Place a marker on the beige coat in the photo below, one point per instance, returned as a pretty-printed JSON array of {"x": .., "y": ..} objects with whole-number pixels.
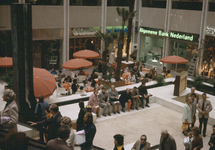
[
  {"x": 207, "y": 106},
  {"x": 169, "y": 143},
  {"x": 136, "y": 146},
  {"x": 189, "y": 95},
  {"x": 11, "y": 111}
]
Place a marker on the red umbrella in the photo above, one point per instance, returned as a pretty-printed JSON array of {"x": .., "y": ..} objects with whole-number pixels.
[
  {"x": 73, "y": 64},
  {"x": 174, "y": 60},
  {"x": 44, "y": 83},
  {"x": 6, "y": 62},
  {"x": 86, "y": 54}
]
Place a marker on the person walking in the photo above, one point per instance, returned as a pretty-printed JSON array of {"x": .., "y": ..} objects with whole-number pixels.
[
  {"x": 118, "y": 142},
  {"x": 204, "y": 107},
  {"x": 167, "y": 142},
  {"x": 197, "y": 142},
  {"x": 141, "y": 144},
  {"x": 80, "y": 120}
]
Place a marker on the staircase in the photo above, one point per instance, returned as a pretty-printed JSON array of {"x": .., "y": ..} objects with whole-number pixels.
[{"x": 192, "y": 66}]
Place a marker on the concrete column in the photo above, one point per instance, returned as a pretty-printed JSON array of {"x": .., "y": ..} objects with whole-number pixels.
[
  {"x": 202, "y": 37},
  {"x": 103, "y": 23},
  {"x": 134, "y": 38},
  {"x": 139, "y": 3},
  {"x": 66, "y": 31}
]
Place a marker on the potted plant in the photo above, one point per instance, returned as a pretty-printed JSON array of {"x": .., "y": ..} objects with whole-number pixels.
[
  {"x": 160, "y": 80},
  {"x": 198, "y": 81},
  {"x": 8, "y": 79}
]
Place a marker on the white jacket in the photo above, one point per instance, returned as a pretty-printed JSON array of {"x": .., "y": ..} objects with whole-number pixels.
[{"x": 187, "y": 113}]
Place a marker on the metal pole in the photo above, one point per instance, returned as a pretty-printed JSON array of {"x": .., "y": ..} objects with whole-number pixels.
[
  {"x": 66, "y": 31},
  {"x": 138, "y": 34},
  {"x": 103, "y": 23}
]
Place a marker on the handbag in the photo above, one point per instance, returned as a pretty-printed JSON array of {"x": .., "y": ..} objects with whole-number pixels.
[{"x": 184, "y": 126}]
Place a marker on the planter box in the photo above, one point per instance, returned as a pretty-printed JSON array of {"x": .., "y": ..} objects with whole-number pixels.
[{"x": 116, "y": 84}]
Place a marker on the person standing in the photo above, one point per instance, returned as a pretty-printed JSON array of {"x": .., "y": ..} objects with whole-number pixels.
[
  {"x": 94, "y": 103},
  {"x": 118, "y": 142},
  {"x": 125, "y": 97},
  {"x": 90, "y": 131},
  {"x": 193, "y": 92},
  {"x": 104, "y": 101},
  {"x": 112, "y": 57},
  {"x": 53, "y": 122},
  {"x": 187, "y": 115},
  {"x": 74, "y": 86},
  {"x": 136, "y": 102},
  {"x": 10, "y": 110},
  {"x": 204, "y": 107},
  {"x": 80, "y": 120},
  {"x": 134, "y": 53},
  {"x": 167, "y": 142},
  {"x": 193, "y": 104},
  {"x": 197, "y": 142},
  {"x": 113, "y": 95},
  {"x": 141, "y": 144},
  {"x": 211, "y": 143},
  {"x": 60, "y": 142},
  {"x": 144, "y": 93}
]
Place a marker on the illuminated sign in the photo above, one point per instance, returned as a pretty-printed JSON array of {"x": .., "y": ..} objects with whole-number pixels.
[{"x": 168, "y": 34}]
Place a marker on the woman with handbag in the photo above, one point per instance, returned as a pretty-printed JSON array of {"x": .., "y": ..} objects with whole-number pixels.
[{"x": 187, "y": 116}]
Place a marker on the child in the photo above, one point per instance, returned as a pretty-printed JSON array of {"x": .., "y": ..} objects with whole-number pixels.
[{"x": 188, "y": 141}]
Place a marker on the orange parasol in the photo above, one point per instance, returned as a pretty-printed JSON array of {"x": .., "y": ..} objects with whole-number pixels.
[
  {"x": 44, "y": 83},
  {"x": 174, "y": 60},
  {"x": 73, "y": 64},
  {"x": 86, "y": 54},
  {"x": 6, "y": 62}
]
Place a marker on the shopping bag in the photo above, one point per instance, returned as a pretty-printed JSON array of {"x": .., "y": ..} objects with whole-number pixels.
[{"x": 185, "y": 127}]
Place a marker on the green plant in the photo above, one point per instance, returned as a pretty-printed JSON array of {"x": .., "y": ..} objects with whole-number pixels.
[
  {"x": 107, "y": 87},
  {"x": 198, "y": 81},
  {"x": 109, "y": 75},
  {"x": 8, "y": 79},
  {"x": 160, "y": 79}
]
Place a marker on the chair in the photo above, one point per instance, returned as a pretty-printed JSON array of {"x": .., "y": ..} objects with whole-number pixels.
[{"x": 81, "y": 78}]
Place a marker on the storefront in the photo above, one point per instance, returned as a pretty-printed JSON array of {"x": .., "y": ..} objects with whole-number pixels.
[{"x": 151, "y": 46}]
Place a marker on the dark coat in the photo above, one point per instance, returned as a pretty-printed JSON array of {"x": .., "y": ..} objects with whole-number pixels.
[
  {"x": 125, "y": 97},
  {"x": 142, "y": 90},
  {"x": 90, "y": 131},
  {"x": 56, "y": 144},
  {"x": 80, "y": 120},
  {"x": 54, "y": 124}
]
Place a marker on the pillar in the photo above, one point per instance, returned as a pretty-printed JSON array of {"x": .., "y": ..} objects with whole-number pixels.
[
  {"x": 21, "y": 29},
  {"x": 103, "y": 23}
]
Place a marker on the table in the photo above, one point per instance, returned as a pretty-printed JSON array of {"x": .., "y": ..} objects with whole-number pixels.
[
  {"x": 125, "y": 75},
  {"x": 89, "y": 89},
  {"x": 127, "y": 83},
  {"x": 67, "y": 86},
  {"x": 86, "y": 73},
  {"x": 126, "y": 64},
  {"x": 146, "y": 69}
]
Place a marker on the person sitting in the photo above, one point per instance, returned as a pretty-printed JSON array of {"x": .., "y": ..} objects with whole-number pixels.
[
  {"x": 137, "y": 76},
  {"x": 104, "y": 101},
  {"x": 142, "y": 65},
  {"x": 168, "y": 75},
  {"x": 100, "y": 66},
  {"x": 81, "y": 72},
  {"x": 60, "y": 142},
  {"x": 48, "y": 115},
  {"x": 93, "y": 83},
  {"x": 149, "y": 76},
  {"x": 53, "y": 71},
  {"x": 144, "y": 93},
  {"x": 85, "y": 83},
  {"x": 113, "y": 95},
  {"x": 59, "y": 73},
  {"x": 60, "y": 78},
  {"x": 118, "y": 142},
  {"x": 128, "y": 69},
  {"x": 135, "y": 98},
  {"x": 142, "y": 144},
  {"x": 125, "y": 97},
  {"x": 99, "y": 85},
  {"x": 66, "y": 121},
  {"x": 10, "y": 110},
  {"x": 81, "y": 91},
  {"x": 94, "y": 103},
  {"x": 131, "y": 77},
  {"x": 95, "y": 69},
  {"x": 164, "y": 71},
  {"x": 80, "y": 120},
  {"x": 68, "y": 79},
  {"x": 74, "y": 86},
  {"x": 135, "y": 68}
]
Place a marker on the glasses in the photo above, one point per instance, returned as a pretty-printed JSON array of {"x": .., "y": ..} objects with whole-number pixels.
[{"x": 143, "y": 139}]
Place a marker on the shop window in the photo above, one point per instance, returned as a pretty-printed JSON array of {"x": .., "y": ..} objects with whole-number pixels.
[
  {"x": 187, "y": 5},
  {"x": 85, "y": 2},
  {"x": 8, "y": 2},
  {"x": 71, "y": 51},
  {"x": 151, "y": 50},
  {"x": 117, "y": 2},
  {"x": 211, "y": 6},
  {"x": 154, "y": 3}
]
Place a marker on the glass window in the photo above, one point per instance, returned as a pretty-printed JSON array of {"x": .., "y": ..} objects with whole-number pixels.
[
  {"x": 151, "y": 50},
  {"x": 117, "y": 2},
  {"x": 211, "y": 6},
  {"x": 85, "y": 2},
  {"x": 154, "y": 3},
  {"x": 187, "y": 5}
]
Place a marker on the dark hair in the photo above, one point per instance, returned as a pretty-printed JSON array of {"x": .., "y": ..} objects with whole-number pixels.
[
  {"x": 75, "y": 80},
  {"x": 143, "y": 61},
  {"x": 132, "y": 72},
  {"x": 63, "y": 131},
  {"x": 103, "y": 88},
  {"x": 81, "y": 88},
  {"x": 54, "y": 108},
  {"x": 204, "y": 94},
  {"x": 15, "y": 141},
  {"x": 135, "y": 87},
  {"x": 213, "y": 125},
  {"x": 41, "y": 98},
  {"x": 196, "y": 129},
  {"x": 168, "y": 71},
  {"x": 81, "y": 104},
  {"x": 84, "y": 81},
  {"x": 193, "y": 94},
  {"x": 144, "y": 136},
  {"x": 143, "y": 82},
  {"x": 164, "y": 67},
  {"x": 89, "y": 116},
  {"x": 60, "y": 71},
  {"x": 119, "y": 138},
  {"x": 47, "y": 109},
  {"x": 135, "y": 46}
]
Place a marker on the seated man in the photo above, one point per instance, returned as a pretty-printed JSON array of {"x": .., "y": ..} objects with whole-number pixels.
[
  {"x": 135, "y": 98},
  {"x": 53, "y": 71},
  {"x": 132, "y": 77},
  {"x": 129, "y": 68},
  {"x": 149, "y": 76},
  {"x": 104, "y": 101},
  {"x": 125, "y": 97},
  {"x": 95, "y": 69},
  {"x": 144, "y": 93},
  {"x": 74, "y": 86},
  {"x": 113, "y": 95},
  {"x": 141, "y": 144},
  {"x": 163, "y": 71},
  {"x": 168, "y": 75}
]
